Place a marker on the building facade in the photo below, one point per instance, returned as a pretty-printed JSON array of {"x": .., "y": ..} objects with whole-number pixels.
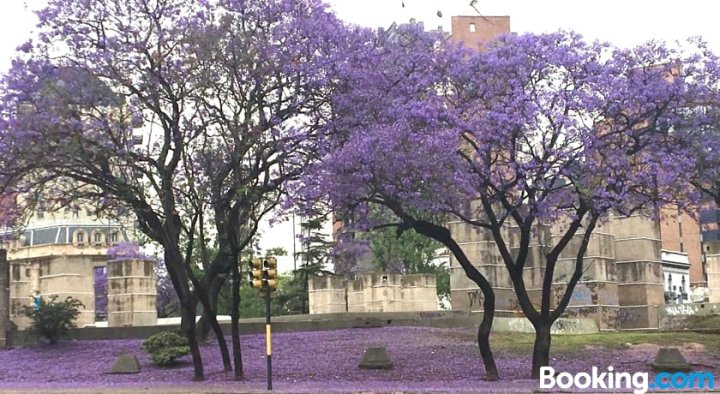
[{"x": 64, "y": 253}]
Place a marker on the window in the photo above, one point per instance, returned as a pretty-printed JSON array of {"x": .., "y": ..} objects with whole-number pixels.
[
  {"x": 15, "y": 272},
  {"x": 40, "y": 208},
  {"x": 80, "y": 238},
  {"x": 97, "y": 237},
  {"x": 472, "y": 28},
  {"x": 114, "y": 237}
]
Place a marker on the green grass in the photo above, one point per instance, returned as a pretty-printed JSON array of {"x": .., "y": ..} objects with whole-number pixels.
[
  {"x": 522, "y": 343},
  {"x": 705, "y": 322}
]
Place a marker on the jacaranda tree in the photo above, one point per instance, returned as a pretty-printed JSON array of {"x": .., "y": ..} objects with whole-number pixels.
[
  {"x": 700, "y": 134},
  {"x": 557, "y": 133},
  {"x": 538, "y": 131},
  {"x": 180, "y": 113},
  {"x": 388, "y": 145},
  {"x": 268, "y": 68},
  {"x": 70, "y": 103}
]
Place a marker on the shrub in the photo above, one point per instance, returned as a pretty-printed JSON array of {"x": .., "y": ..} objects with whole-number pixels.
[
  {"x": 165, "y": 347},
  {"x": 53, "y": 319}
]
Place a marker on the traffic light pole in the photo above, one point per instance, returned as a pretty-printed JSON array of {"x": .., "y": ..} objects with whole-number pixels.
[
  {"x": 268, "y": 337},
  {"x": 263, "y": 276}
]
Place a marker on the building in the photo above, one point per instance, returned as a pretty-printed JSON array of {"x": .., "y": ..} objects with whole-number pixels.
[
  {"x": 476, "y": 31},
  {"x": 710, "y": 222},
  {"x": 64, "y": 253}
]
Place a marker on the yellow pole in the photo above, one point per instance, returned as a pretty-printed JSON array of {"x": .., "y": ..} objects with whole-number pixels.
[{"x": 268, "y": 341}]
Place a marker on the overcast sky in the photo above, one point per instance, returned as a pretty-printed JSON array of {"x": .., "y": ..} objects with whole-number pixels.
[{"x": 622, "y": 22}]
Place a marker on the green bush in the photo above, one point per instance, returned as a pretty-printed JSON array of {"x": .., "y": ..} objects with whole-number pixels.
[
  {"x": 53, "y": 319},
  {"x": 165, "y": 347}
]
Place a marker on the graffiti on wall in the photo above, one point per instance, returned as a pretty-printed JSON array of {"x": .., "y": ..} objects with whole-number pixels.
[
  {"x": 581, "y": 296},
  {"x": 680, "y": 310},
  {"x": 475, "y": 298}
]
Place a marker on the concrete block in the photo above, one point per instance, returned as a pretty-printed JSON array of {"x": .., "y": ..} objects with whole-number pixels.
[
  {"x": 126, "y": 364},
  {"x": 561, "y": 325},
  {"x": 669, "y": 359},
  {"x": 376, "y": 358}
]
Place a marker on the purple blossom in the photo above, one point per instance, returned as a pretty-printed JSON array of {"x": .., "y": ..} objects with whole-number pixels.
[
  {"x": 424, "y": 359},
  {"x": 126, "y": 251}
]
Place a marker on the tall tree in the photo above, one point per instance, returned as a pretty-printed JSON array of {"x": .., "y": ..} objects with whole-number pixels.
[
  {"x": 388, "y": 148},
  {"x": 229, "y": 95},
  {"x": 270, "y": 65},
  {"x": 557, "y": 133},
  {"x": 69, "y": 105},
  {"x": 314, "y": 256},
  {"x": 700, "y": 133},
  {"x": 539, "y": 131}
]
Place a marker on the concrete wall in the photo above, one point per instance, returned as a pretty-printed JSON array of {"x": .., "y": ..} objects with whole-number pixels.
[
  {"x": 327, "y": 295},
  {"x": 561, "y": 326},
  {"x": 131, "y": 293},
  {"x": 689, "y": 316},
  {"x": 713, "y": 273},
  {"x": 639, "y": 270},
  {"x": 332, "y": 321},
  {"x": 373, "y": 293},
  {"x": 68, "y": 271},
  {"x": 621, "y": 286}
]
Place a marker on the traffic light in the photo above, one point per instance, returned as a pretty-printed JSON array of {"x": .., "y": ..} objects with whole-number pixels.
[
  {"x": 256, "y": 273},
  {"x": 270, "y": 265},
  {"x": 262, "y": 272}
]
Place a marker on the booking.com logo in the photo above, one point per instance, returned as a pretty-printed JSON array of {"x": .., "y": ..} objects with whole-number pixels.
[{"x": 638, "y": 381}]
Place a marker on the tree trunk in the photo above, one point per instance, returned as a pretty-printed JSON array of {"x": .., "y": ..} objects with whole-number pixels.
[
  {"x": 541, "y": 349},
  {"x": 180, "y": 280},
  {"x": 211, "y": 318},
  {"x": 442, "y": 235},
  {"x": 491, "y": 372},
  {"x": 235, "y": 327},
  {"x": 213, "y": 284},
  {"x": 188, "y": 327}
]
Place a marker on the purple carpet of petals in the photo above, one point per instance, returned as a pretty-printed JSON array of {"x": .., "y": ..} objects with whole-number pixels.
[{"x": 424, "y": 359}]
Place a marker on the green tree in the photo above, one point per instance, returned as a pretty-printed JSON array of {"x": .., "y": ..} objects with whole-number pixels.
[
  {"x": 314, "y": 257},
  {"x": 409, "y": 253},
  {"x": 252, "y": 303}
]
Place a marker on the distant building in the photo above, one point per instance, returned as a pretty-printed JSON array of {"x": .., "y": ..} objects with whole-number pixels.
[
  {"x": 63, "y": 253},
  {"x": 476, "y": 31}
]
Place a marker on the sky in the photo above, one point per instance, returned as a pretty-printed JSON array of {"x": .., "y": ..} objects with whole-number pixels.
[{"x": 622, "y": 22}]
